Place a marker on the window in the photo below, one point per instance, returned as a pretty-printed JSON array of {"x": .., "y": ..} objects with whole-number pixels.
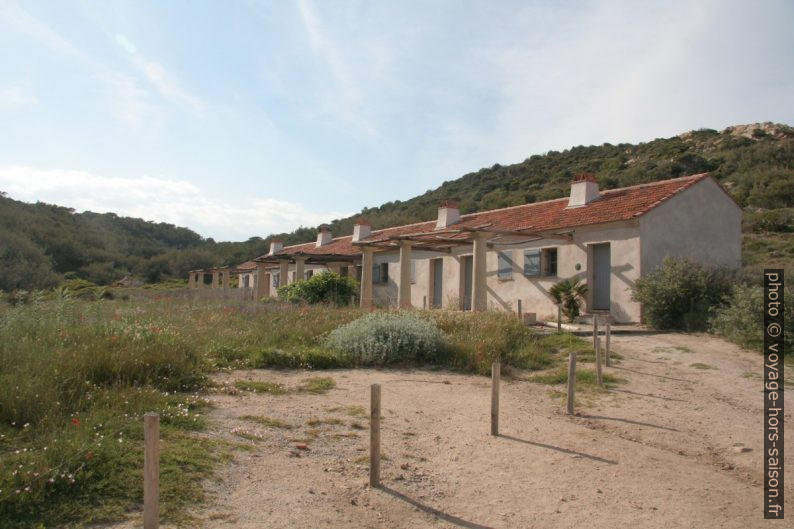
[
  {"x": 540, "y": 262},
  {"x": 245, "y": 281},
  {"x": 384, "y": 273},
  {"x": 413, "y": 271},
  {"x": 550, "y": 262},
  {"x": 308, "y": 274},
  {"x": 276, "y": 277},
  {"x": 380, "y": 273},
  {"x": 505, "y": 265}
]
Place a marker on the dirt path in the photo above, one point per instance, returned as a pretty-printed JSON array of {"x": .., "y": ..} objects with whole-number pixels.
[{"x": 677, "y": 446}]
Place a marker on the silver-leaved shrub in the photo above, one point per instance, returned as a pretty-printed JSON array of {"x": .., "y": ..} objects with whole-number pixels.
[{"x": 388, "y": 337}]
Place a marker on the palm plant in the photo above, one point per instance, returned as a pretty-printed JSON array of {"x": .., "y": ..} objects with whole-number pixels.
[{"x": 569, "y": 293}]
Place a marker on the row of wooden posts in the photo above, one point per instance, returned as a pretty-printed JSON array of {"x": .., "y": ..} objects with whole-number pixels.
[
  {"x": 496, "y": 376},
  {"x": 151, "y": 428}
]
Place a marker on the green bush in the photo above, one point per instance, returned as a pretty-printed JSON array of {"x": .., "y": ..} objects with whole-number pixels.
[
  {"x": 742, "y": 320},
  {"x": 769, "y": 220},
  {"x": 326, "y": 287},
  {"x": 681, "y": 293},
  {"x": 388, "y": 337}
]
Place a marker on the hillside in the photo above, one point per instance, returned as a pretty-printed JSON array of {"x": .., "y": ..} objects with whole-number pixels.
[
  {"x": 755, "y": 162},
  {"x": 40, "y": 244}
]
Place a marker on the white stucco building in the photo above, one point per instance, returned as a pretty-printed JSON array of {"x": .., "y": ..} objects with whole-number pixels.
[{"x": 493, "y": 259}]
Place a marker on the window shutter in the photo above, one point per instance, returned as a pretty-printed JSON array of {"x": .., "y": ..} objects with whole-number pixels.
[
  {"x": 376, "y": 273},
  {"x": 532, "y": 263},
  {"x": 505, "y": 265}
]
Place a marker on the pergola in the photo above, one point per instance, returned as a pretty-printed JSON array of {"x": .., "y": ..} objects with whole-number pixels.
[
  {"x": 480, "y": 237},
  {"x": 266, "y": 263},
  {"x": 220, "y": 276}
]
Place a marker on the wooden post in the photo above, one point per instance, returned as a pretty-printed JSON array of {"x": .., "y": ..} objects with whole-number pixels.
[
  {"x": 424, "y": 302},
  {"x": 571, "y": 381},
  {"x": 559, "y": 317},
  {"x": 607, "y": 339},
  {"x": 374, "y": 436},
  {"x": 598, "y": 360},
  {"x": 151, "y": 471},
  {"x": 496, "y": 373},
  {"x": 519, "y": 309},
  {"x": 595, "y": 330}
]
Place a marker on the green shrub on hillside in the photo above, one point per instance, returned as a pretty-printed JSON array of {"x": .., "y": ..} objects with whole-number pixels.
[
  {"x": 388, "y": 337},
  {"x": 326, "y": 287},
  {"x": 681, "y": 293},
  {"x": 741, "y": 320}
]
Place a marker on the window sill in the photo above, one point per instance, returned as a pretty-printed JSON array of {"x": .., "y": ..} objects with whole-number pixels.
[{"x": 505, "y": 279}]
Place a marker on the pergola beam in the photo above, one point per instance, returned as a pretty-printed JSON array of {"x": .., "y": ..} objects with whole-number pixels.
[{"x": 521, "y": 233}]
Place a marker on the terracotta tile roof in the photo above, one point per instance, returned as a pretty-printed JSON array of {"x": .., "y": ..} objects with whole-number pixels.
[{"x": 612, "y": 206}]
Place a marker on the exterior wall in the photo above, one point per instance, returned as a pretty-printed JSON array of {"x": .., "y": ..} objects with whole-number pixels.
[
  {"x": 385, "y": 294},
  {"x": 533, "y": 291},
  {"x": 503, "y": 294},
  {"x": 241, "y": 280},
  {"x": 701, "y": 223}
]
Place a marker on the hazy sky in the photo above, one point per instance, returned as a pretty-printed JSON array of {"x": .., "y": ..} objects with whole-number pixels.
[{"x": 239, "y": 118}]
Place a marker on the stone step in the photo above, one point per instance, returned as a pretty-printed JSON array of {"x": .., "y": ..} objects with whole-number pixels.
[{"x": 603, "y": 317}]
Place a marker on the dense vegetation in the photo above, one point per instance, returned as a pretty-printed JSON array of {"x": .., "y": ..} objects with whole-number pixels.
[
  {"x": 77, "y": 376},
  {"x": 41, "y": 243},
  {"x": 688, "y": 296},
  {"x": 321, "y": 288}
]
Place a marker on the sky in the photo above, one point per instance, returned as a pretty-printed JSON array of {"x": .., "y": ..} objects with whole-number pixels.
[{"x": 243, "y": 118}]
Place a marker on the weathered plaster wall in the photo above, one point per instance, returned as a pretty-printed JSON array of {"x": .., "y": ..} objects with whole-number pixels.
[
  {"x": 532, "y": 291},
  {"x": 702, "y": 223}
]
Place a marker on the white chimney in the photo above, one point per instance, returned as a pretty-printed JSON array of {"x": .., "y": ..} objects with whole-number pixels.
[
  {"x": 584, "y": 189},
  {"x": 448, "y": 214},
  {"x": 361, "y": 230},
  {"x": 323, "y": 235},
  {"x": 275, "y": 246}
]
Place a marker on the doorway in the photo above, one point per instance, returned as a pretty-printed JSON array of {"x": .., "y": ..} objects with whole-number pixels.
[
  {"x": 602, "y": 272},
  {"x": 467, "y": 263},
  {"x": 437, "y": 275}
]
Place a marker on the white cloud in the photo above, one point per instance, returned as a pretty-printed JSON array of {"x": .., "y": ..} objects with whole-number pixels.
[
  {"x": 164, "y": 81},
  {"x": 160, "y": 199},
  {"x": 16, "y": 96},
  {"x": 130, "y": 101},
  {"x": 168, "y": 85},
  {"x": 125, "y": 43},
  {"x": 344, "y": 96}
]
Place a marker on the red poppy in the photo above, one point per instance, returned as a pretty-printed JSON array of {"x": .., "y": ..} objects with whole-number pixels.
[{"x": 76, "y": 421}]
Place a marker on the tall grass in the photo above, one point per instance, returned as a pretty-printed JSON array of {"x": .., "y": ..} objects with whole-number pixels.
[{"x": 76, "y": 378}]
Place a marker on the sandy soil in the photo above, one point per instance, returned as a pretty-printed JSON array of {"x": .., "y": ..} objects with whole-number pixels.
[{"x": 674, "y": 447}]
